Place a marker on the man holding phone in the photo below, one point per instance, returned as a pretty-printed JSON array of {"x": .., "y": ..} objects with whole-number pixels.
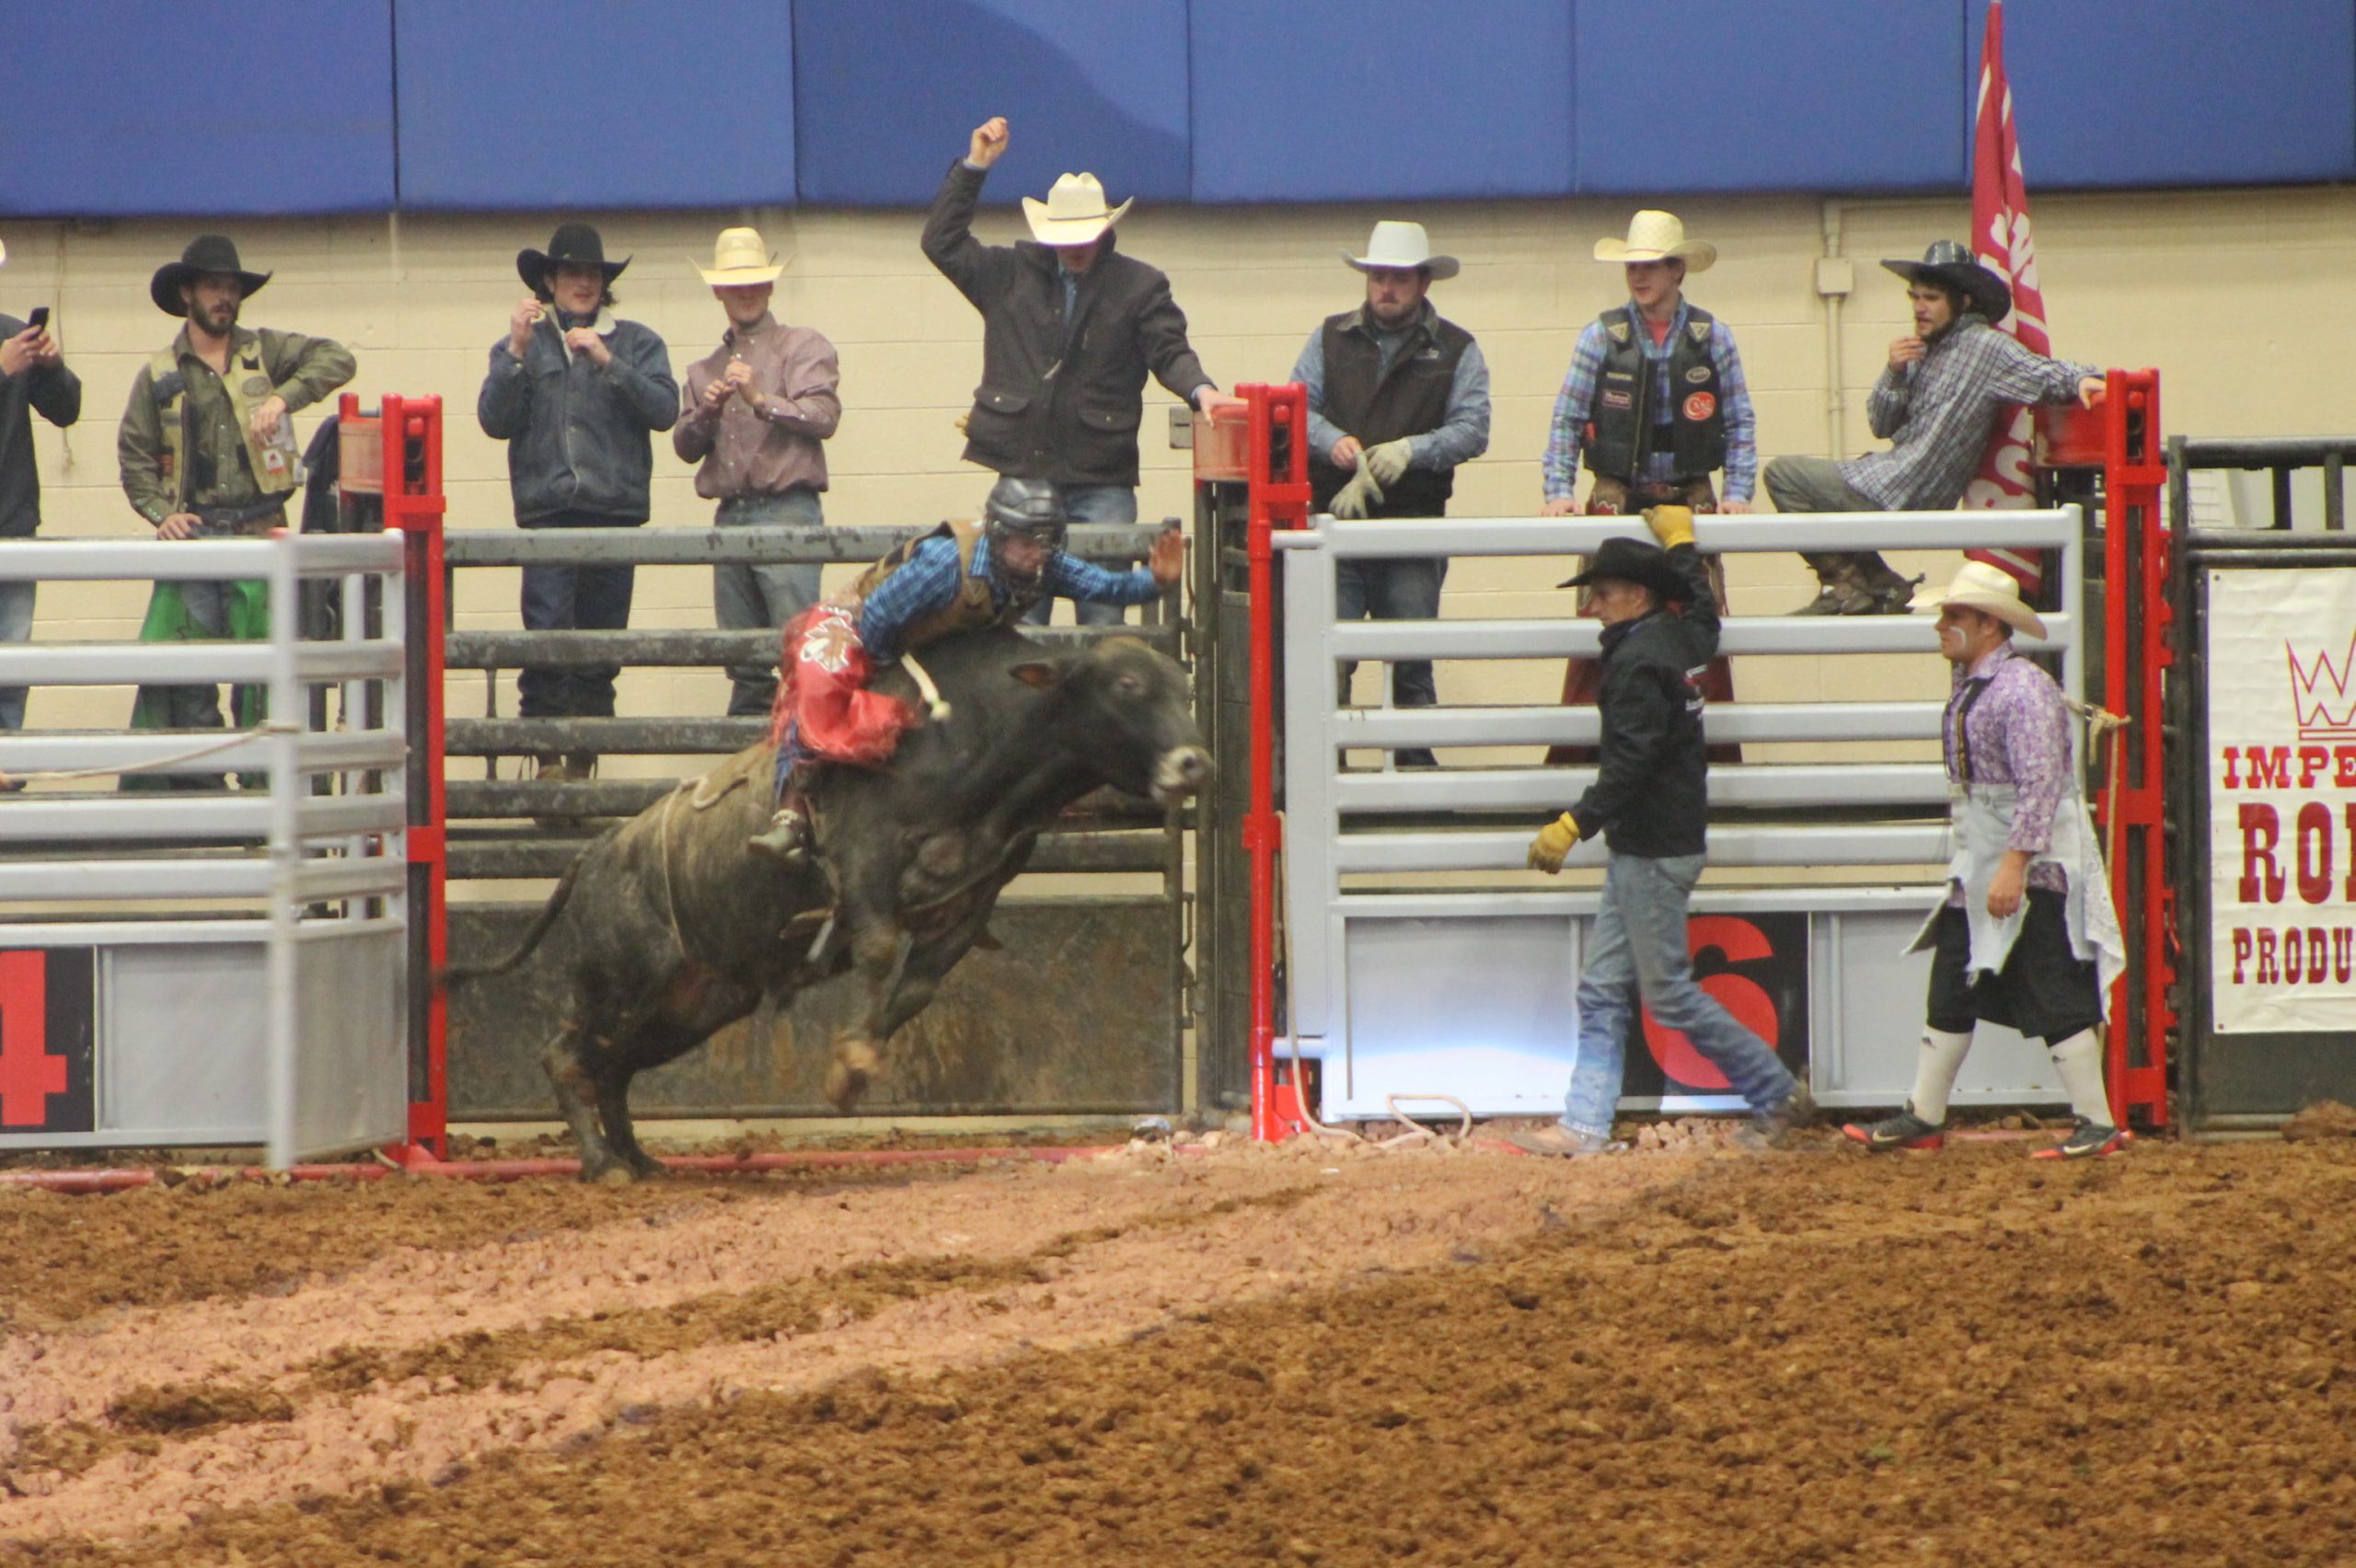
[{"x": 32, "y": 377}]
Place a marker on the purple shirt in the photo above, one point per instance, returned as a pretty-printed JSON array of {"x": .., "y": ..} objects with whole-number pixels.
[{"x": 2015, "y": 730}]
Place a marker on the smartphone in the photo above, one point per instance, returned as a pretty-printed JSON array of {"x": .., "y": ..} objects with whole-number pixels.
[{"x": 39, "y": 321}]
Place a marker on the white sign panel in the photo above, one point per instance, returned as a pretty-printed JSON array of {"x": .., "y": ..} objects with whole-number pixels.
[{"x": 2281, "y": 665}]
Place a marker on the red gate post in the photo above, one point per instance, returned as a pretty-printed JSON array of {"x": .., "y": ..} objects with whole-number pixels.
[
  {"x": 1272, "y": 503},
  {"x": 2136, "y": 649},
  {"x": 415, "y": 505}
]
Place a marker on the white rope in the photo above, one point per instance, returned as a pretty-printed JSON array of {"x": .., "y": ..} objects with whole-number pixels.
[
  {"x": 925, "y": 688},
  {"x": 238, "y": 738}
]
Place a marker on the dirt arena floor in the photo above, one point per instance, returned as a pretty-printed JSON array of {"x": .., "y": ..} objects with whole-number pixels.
[{"x": 1315, "y": 1355}]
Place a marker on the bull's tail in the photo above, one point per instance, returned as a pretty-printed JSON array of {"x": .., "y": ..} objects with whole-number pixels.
[{"x": 452, "y": 974}]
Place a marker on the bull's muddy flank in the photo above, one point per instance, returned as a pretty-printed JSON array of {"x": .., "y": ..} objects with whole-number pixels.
[{"x": 1307, "y": 1355}]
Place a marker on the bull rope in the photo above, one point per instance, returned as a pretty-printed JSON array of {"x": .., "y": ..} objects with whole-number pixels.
[{"x": 11, "y": 781}]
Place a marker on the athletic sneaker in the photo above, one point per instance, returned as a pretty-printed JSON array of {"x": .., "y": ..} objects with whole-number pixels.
[
  {"x": 2087, "y": 1141},
  {"x": 1905, "y": 1130}
]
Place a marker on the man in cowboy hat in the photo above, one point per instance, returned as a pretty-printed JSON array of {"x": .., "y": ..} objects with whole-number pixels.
[
  {"x": 575, "y": 392},
  {"x": 2026, "y": 936},
  {"x": 1651, "y": 800},
  {"x": 1398, "y": 396},
  {"x": 1656, "y": 403},
  {"x": 207, "y": 450},
  {"x": 756, "y": 410},
  {"x": 1945, "y": 387},
  {"x": 32, "y": 376},
  {"x": 1070, "y": 328}
]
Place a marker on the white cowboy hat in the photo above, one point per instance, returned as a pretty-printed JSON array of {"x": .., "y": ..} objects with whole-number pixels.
[
  {"x": 3, "y": 252},
  {"x": 1979, "y": 586},
  {"x": 1655, "y": 235},
  {"x": 1074, "y": 213},
  {"x": 1401, "y": 245},
  {"x": 740, "y": 258}
]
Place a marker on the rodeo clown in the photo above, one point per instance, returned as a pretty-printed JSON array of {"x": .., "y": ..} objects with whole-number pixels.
[
  {"x": 2028, "y": 937},
  {"x": 961, "y": 577}
]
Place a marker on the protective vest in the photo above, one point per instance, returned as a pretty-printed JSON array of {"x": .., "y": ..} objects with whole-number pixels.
[
  {"x": 276, "y": 463},
  {"x": 975, "y": 608},
  {"x": 1378, "y": 405},
  {"x": 1625, "y": 428}
]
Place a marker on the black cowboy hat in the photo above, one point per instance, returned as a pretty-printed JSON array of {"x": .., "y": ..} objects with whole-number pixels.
[
  {"x": 575, "y": 243},
  {"x": 1948, "y": 264},
  {"x": 1633, "y": 561},
  {"x": 206, "y": 253}
]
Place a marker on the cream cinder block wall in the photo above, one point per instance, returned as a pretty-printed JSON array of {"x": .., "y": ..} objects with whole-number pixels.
[{"x": 2235, "y": 295}]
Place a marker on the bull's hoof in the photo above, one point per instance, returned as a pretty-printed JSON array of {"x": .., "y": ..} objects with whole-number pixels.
[
  {"x": 645, "y": 1167},
  {"x": 854, "y": 1064},
  {"x": 605, "y": 1170}
]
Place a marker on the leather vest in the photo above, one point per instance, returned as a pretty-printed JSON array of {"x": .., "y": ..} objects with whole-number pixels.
[
  {"x": 976, "y": 607},
  {"x": 1625, "y": 428},
  {"x": 276, "y": 463},
  {"x": 1376, "y": 405}
]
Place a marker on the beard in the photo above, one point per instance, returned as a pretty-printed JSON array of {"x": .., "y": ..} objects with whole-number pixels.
[{"x": 216, "y": 320}]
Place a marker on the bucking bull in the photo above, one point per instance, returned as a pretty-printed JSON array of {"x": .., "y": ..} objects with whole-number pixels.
[{"x": 676, "y": 930}]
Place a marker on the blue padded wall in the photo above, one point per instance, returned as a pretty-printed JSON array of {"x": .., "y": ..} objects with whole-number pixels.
[
  {"x": 644, "y": 104},
  {"x": 2179, "y": 92},
  {"x": 96, "y": 95},
  {"x": 885, "y": 108},
  {"x": 1334, "y": 101},
  {"x": 1737, "y": 95}
]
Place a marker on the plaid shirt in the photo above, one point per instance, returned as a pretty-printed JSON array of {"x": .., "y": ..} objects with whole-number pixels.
[
  {"x": 1937, "y": 413},
  {"x": 927, "y": 583},
  {"x": 1576, "y": 405},
  {"x": 2005, "y": 725}
]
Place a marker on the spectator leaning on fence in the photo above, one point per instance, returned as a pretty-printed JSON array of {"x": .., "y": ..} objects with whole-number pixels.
[
  {"x": 575, "y": 392},
  {"x": 1655, "y": 403},
  {"x": 208, "y": 452},
  {"x": 32, "y": 376},
  {"x": 1070, "y": 328},
  {"x": 756, "y": 410},
  {"x": 1937, "y": 402},
  {"x": 1651, "y": 802},
  {"x": 1398, "y": 399},
  {"x": 2027, "y": 936}
]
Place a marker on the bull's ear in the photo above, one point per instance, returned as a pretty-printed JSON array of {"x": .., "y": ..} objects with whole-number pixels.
[{"x": 1037, "y": 673}]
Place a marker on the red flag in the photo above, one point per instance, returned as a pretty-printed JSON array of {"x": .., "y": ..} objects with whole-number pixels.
[{"x": 2002, "y": 242}]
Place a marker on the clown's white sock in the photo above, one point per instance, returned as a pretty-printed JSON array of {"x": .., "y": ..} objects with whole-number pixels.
[
  {"x": 1935, "y": 1069},
  {"x": 2079, "y": 1061}
]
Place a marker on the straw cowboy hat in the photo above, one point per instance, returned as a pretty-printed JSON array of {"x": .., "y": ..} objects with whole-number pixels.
[
  {"x": 740, "y": 259},
  {"x": 1656, "y": 236},
  {"x": 1401, "y": 245},
  {"x": 1979, "y": 586},
  {"x": 1948, "y": 264},
  {"x": 206, "y": 253},
  {"x": 1074, "y": 212},
  {"x": 575, "y": 243}
]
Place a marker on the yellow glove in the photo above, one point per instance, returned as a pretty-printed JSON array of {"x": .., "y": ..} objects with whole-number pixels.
[
  {"x": 1673, "y": 526},
  {"x": 1353, "y": 499},
  {"x": 1553, "y": 842},
  {"x": 1388, "y": 461}
]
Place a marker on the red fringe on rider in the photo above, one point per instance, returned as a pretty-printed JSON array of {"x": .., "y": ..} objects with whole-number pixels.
[{"x": 823, "y": 691}]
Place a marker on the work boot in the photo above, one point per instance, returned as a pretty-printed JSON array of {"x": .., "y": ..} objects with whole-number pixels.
[
  {"x": 2087, "y": 1141},
  {"x": 1564, "y": 1143},
  {"x": 1844, "y": 589},
  {"x": 1904, "y": 1130},
  {"x": 1773, "y": 1127},
  {"x": 786, "y": 840},
  {"x": 1891, "y": 595},
  {"x": 552, "y": 769}
]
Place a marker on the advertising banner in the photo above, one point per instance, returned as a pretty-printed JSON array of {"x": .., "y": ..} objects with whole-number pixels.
[{"x": 2282, "y": 765}]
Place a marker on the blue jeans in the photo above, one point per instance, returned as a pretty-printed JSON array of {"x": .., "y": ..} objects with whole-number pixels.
[
  {"x": 1638, "y": 948},
  {"x": 573, "y": 598},
  {"x": 747, "y": 596},
  {"x": 16, "y": 626},
  {"x": 1406, "y": 589},
  {"x": 1090, "y": 504}
]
